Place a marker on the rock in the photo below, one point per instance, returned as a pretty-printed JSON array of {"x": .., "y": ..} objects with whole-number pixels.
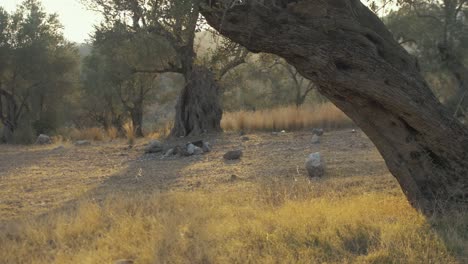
[
  {"x": 191, "y": 149},
  {"x": 82, "y": 143},
  {"x": 317, "y": 131},
  {"x": 43, "y": 140},
  {"x": 124, "y": 261},
  {"x": 234, "y": 177},
  {"x": 353, "y": 131},
  {"x": 233, "y": 155},
  {"x": 283, "y": 131},
  {"x": 315, "y": 139},
  {"x": 198, "y": 151},
  {"x": 314, "y": 165},
  {"x": 206, "y": 147},
  {"x": 178, "y": 150},
  {"x": 274, "y": 133},
  {"x": 155, "y": 146},
  {"x": 168, "y": 153},
  {"x": 198, "y": 143},
  {"x": 58, "y": 148},
  {"x": 245, "y": 138}
]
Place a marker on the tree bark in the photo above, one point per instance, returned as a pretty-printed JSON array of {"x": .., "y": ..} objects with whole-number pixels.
[
  {"x": 10, "y": 117},
  {"x": 347, "y": 51},
  {"x": 198, "y": 108},
  {"x": 136, "y": 114}
]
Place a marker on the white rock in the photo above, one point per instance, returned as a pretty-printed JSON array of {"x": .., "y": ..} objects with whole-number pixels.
[
  {"x": 315, "y": 139},
  {"x": 191, "y": 149},
  {"x": 168, "y": 153},
  {"x": 43, "y": 140},
  {"x": 82, "y": 143},
  {"x": 315, "y": 165},
  {"x": 206, "y": 147},
  {"x": 197, "y": 151}
]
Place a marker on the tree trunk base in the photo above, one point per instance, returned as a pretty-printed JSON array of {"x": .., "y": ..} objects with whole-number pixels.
[{"x": 198, "y": 108}]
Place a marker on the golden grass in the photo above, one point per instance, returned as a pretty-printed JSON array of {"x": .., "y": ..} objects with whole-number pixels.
[
  {"x": 112, "y": 133},
  {"x": 130, "y": 133},
  {"x": 92, "y": 133},
  {"x": 260, "y": 225},
  {"x": 325, "y": 116},
  {"x": 161, "y": 132}
]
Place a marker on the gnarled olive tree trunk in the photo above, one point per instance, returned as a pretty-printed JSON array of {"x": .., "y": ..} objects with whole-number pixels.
[
  {"x": 348, "y": 52},
  {"x": 198, "y": 108}
]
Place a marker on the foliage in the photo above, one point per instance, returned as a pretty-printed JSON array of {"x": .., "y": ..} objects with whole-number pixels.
[
  {"x": 38, "y": 70},
  {"x": 119, "y": 74},
  {"x": 436, "y": 32}
]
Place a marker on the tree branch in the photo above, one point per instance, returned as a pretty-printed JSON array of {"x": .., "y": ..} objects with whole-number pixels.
[{"x": 240, "y": 59}]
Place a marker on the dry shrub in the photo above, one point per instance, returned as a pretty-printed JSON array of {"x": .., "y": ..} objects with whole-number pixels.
[
  {"x": 130, "y": 134},
  {"x": 112, "y": 133},
  {"x": 289, "y": 118},
  {"x": 162, "y": 131},
  {"x": 58, "y": 139},
  {"x": 92, "y": 133}
]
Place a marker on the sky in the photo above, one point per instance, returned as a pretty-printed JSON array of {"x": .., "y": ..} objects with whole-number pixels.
[{"x": 77, "y": 20}]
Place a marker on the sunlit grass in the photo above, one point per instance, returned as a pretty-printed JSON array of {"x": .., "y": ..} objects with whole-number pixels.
[
  {"x": 289, "y": 118},
  {"x": 258, "y": 225},
  {"x": 73, "y": 134},
  {"x": 130, "y": 133},
  {"x": 163, "y": 131}
]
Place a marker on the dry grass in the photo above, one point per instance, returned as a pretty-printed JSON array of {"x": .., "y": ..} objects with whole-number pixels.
[
  {"x": 270, "y": 214},
  {"x": 92, "y": 133},
  {"x": 112, "y": 133},
  {"x": 130, "y": 134},
  {"x": 289, "y": 118},
  {"x": 234, "y": 227},
  {"x": 161, "y": 132}
]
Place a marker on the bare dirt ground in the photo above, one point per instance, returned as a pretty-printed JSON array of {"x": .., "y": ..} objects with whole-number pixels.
[{"x": 35, "y": 180}]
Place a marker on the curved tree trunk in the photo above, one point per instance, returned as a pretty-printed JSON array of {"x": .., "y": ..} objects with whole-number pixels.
[
  {"x": 348, "y": 52},
  {"x": 198, "y": 108}
]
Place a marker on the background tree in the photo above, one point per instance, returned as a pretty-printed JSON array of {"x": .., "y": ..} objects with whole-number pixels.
[
  {"x": 38, "y": 72},
  {"x": 177, "y": 22},
  {"x": 300, "y": 85},
  {"x": 121, "y": 72},
  {"x": 437, "y": 33}
]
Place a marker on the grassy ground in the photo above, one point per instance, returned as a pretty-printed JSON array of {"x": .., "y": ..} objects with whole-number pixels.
[{"x": 104, "y": 202}]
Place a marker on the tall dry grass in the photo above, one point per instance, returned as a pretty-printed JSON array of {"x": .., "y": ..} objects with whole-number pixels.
[
  {"x": 92, "y": 133},
  {"x": 163, "y": 131},
  {"x": 249, "y": 226},
  {"x": 112, "y": 133},
  {"x": 325, "y": 116},
  {"x": 130, "y": 133}
]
